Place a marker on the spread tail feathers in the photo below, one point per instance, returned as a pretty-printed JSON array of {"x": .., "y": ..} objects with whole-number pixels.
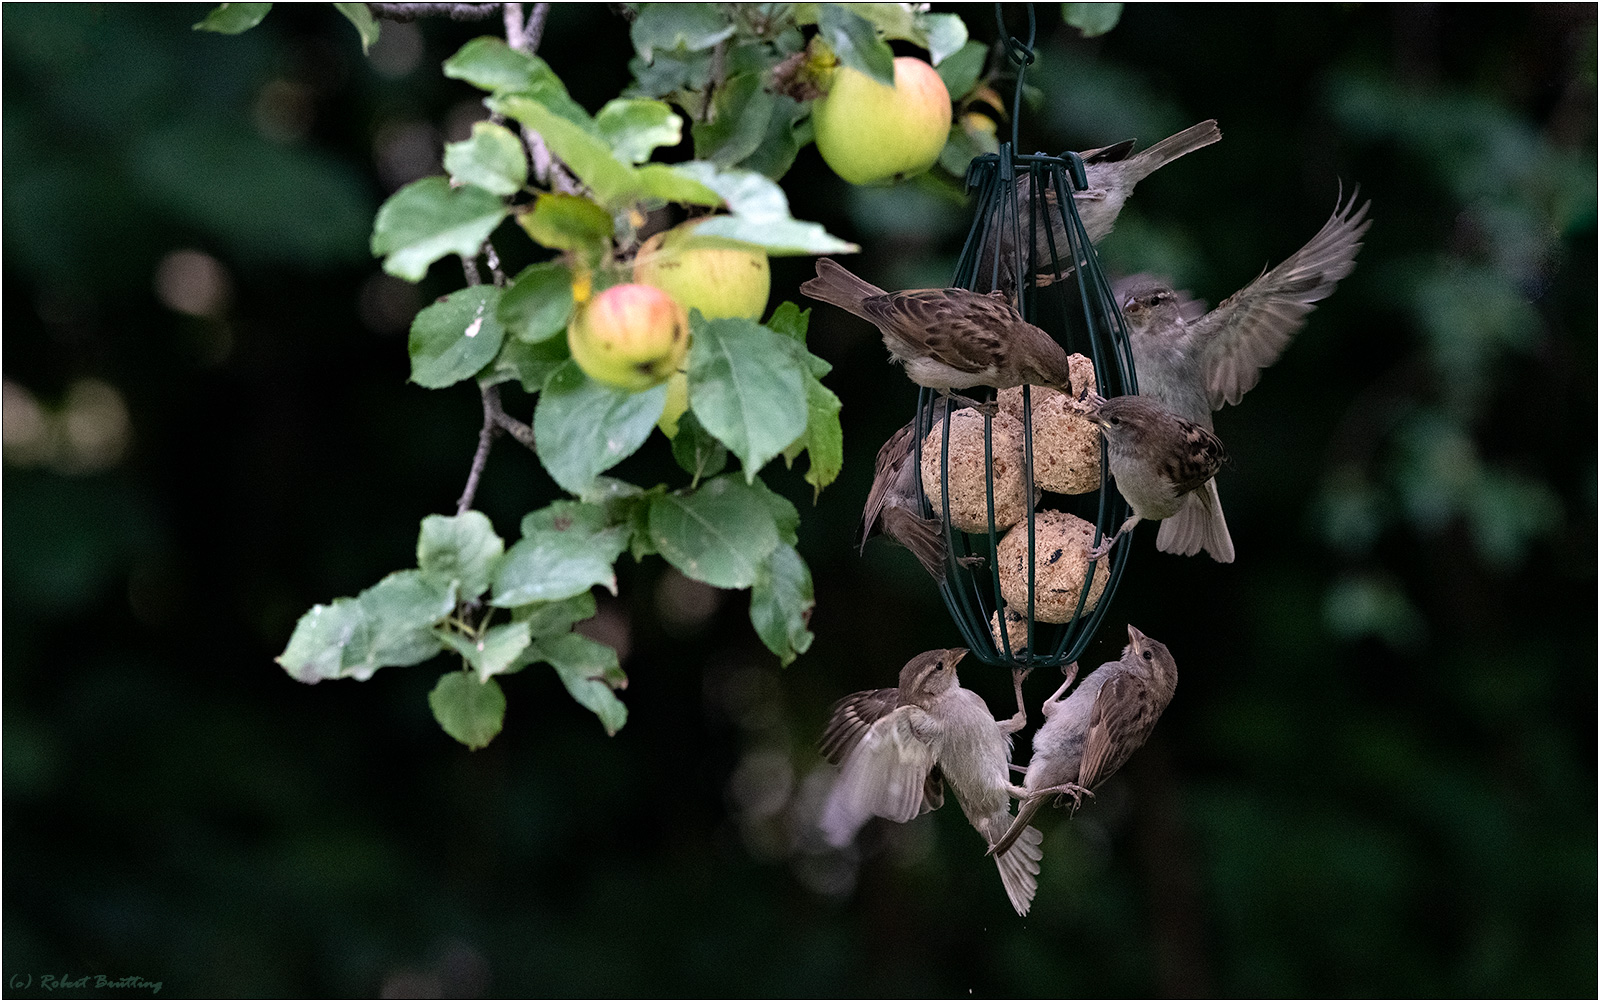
[
  {"x": 1197, "y": 526},
  {"x": 1173, "y": 147},
  {"x": 836, "y": 285},
  {"x": 924, "y": 537},
  {"x": 1019, "y": 869}
]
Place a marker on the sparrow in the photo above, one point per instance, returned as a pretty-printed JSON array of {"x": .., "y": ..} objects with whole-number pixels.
[
  {"x": 1111, "y": 174},
  {"x": 892, "y": 507},
  {"x": 1195, "y": 366},
  {"x": 1089, "y": 735},
  {"x": 898, "y": 747},
  {"x": 1158, "y": 460},
  {"x": 948, "y": 339}
]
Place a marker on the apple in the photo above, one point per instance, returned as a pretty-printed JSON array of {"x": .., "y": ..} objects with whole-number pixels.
[
  {"x": 629, "y": 336},
  {"x": 677, "y": 403},
  {"x": 717, "y": 276},
  {"x": 872, "y": 134}
]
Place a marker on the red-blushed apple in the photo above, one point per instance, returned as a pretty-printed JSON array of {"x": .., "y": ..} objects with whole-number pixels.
[
  {"x": 873, "y": 134},
  {"x": 718, "y": 277},
  {"x": 629, "y": 336}
]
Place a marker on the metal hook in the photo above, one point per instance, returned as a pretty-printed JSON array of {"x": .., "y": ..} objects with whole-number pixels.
[{"x": 1020, "y": 54}]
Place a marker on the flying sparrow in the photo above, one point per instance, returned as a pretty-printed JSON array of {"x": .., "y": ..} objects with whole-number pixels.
[
  {"x": 1089, "y": 735},
  {"x": 899, "y": 746},
  {"x": 1195, "y": 366},
  {"x": 948, "y": 338},
  {"x": 1112, "y": 174},
  {"x": 1158, "y": 460}
]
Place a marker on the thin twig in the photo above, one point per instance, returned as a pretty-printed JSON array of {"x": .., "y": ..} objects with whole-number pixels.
[
  {"x": 494, "y": 265},
  {"x": 469, "y": 266},
  {"x": 454, "y": 11},
  {"x": 485, "y": 439},
  {"x": 521, "y": 432},
  {"x": 534, "y": 33}
]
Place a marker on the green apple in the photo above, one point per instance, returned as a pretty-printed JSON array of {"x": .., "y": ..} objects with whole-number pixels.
[
  {"x": 629, "y": 336},
  {"x": 872, "y": 134},
  {"x": 718, "y": 277},
  {"x": 677, "y": 404}
]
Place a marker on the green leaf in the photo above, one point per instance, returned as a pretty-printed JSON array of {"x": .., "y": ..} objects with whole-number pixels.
[
  {"x": 781, "y": 601},
  {"x": 590, "y": 671},
  {"x": 585, "y": 427},
  {"x": 494, "y": 652},
  {"x": 945, "y": 34},
  {"x": 971, "y": 136},
  {"x": 537, "y": 305},
  {"x": 546, "y": 618},
  {"x": 855, "y": 41},
  {"x": 453, "y": 339},
  {"x": 470, "y": 711},
  {"x": 697, "y": 450},
  {"x": 671, "y": 72},
  {"x": 1092, "y": 18},
  {"x": 960, "y": 72},
  {"x": 635, "y": 127},
  {"x": 233, "y": 18},
  {"x": 746, "y": 388},
  {"x": 824, "y": 435},
  {"x": 666, "y": 182},
  {"x": 586, "y": 154},
  {"x": 781, "y": 143},
  {"x": 785, "y": 518},
  {"x": 760, "y": 213},
  {"x": 790, "y": 320},
  {"x": 691, "y": 26},
  {"x": 366, "y": 25},
  {"x": 460, "y": 548},
  {"x": 490, "y": 64},
  {"x": 528, "y": 364},
  {"x": 492, "y": 159},
  {"x": 740, "y": 111},
  {"x": 326, "y": 640},
  {"x": 720, "y": 534},
  {"x": 567, "y": 222},
  {"x": 401, "y": 611},
  {"x": 427, "y": 220},
  {"x": 565, "y": 549}
]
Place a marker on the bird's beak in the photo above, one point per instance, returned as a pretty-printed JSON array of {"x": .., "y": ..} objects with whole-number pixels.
[
  {"x": 956, "y": 654},
  {"x": 1136, "y": 638},
  {"x": 1087, "y": 405}
]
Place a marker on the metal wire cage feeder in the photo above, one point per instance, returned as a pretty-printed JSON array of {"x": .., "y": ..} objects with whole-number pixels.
[{"x": 1056, "y": 284}]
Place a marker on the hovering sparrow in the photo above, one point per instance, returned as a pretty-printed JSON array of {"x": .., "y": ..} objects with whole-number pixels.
[
  {"x": 899, "y": 746},
  {"x": 1112, "y": 174},
  {"x": 948, "y": 338},
  {"x": 1089, "y": 735},
  {"x": 1157, "y": 460},
  {"x": 1195, "y": 366}
]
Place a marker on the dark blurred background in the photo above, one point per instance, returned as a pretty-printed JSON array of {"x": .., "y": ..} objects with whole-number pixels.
[{"x": 1378, "y": 776}]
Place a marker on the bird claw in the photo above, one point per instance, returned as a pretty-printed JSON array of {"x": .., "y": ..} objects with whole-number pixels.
[
  {"x": 972, "y": 561},
  {"x": 1073, "y": 790},
  {"x": 1099, "y": 552}
]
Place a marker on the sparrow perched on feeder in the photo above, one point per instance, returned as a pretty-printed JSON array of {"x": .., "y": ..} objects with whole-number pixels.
[
  {"x": 1157, "y": 459},
  {"x": 892, "y": 506},
  {"x": 948, "y": 339},
  {"x": 1111, "y": 174},
  {"x": 899, "y": 746},
  {"x": 1195, "y": 366},
  {"x": 1090, "y": 734}
]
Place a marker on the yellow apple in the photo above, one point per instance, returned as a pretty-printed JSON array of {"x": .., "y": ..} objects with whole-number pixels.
[
  {"x": 718, "y": 277},
  {"x": 629, "y": 336},
  {"x": 873, "y": 134},
  {"x": 677, "y": 404}
]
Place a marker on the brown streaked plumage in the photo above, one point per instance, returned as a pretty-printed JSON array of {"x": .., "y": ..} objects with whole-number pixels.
[
  {"x": 1194, "y": 366},
  {"x": 1156, "y": 458},
  {"x": 1090, "y": 735},
  {"x": 948, "y": 339},
  {"x": 892, "y": 506},
  {"x": 895, "y": 745}
]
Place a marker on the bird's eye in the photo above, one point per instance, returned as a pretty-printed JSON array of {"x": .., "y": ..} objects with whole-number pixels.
[
  {"x": 1114, "y": 420},
  {"x": 1148, "y": 655}
]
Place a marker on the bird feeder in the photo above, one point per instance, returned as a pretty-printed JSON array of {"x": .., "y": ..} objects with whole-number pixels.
[{"x": 1024, "y": 593}]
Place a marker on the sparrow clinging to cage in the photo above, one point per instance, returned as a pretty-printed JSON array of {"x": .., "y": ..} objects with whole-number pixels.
[
  {"x": 898, "y": 747},
  {"x": 948, "y": 339},
  {"x": 1090, "y": 734},
  {"x": 1195, "y": 366}
]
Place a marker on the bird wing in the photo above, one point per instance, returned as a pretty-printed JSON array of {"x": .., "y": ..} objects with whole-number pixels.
[
  {"x": 884, "y": 474},
  {"x": 850, "y": 717},
  {"x": 954, "y": 327},
  {"x": 886, "y": 775},
  {"x": 1118, "y": 724},
  {"x": 1248, "y": 330},
  {"x": 1198, "y": 460}
]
